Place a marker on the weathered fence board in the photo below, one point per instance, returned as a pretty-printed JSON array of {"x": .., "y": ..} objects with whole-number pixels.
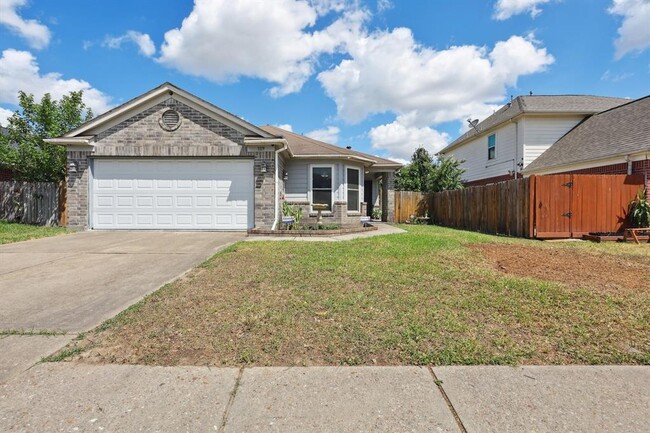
[
  {"x": 553, "y": 206},
  {"x": 29, "y": 202},
  {"x": 409, "y": 203}
]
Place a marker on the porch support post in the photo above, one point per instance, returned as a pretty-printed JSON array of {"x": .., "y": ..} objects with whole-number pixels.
[{"x": 388, "y": 197}]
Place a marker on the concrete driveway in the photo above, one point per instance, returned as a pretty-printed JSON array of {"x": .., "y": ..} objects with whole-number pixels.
[{"x": 74, "y": 282}]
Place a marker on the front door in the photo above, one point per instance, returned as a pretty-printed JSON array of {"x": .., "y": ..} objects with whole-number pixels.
[{"x": 367, "y": 196}]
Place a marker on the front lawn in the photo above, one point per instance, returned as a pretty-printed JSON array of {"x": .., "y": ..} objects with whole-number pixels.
[
  {"x": 430, "y": 296},
  {"x": 14, "y": 232}
]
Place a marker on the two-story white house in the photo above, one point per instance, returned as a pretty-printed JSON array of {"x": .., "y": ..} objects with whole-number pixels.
[{"x": 502, "y": 145}]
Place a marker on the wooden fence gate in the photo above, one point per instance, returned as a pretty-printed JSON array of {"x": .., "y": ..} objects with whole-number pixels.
[
  {"x": 572, "y": 205},
  {"x": 30, "y": 202}
]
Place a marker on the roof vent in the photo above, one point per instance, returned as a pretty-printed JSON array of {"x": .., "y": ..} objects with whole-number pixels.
[
  {"x": 348, "y": 147},
  {"x": 170, "y": 120}
]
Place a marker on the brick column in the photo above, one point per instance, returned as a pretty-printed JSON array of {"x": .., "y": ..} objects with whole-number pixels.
[
  {"x": 77, "y": 189},
  {"x": 264, "y": 188},
  {"x": 388, "y": 197}
]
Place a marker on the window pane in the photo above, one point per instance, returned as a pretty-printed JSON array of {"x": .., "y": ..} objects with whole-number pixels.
[
  {"x": 353, "y": 178},
  {"x": 492, "y": 140},
  {"x": 353, "y": 200},
  {"x": 323, "y": 197},
  {"x": 322, "y": 177},
  {"x": 491, "y": 153}
]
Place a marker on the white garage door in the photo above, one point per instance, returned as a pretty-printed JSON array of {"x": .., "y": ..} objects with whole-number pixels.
[{"x": 186, "y": 194}]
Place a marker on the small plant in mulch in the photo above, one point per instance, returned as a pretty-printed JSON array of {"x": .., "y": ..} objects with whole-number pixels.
[
  {"x": 292, "y": 211},
  {"x": 640, "y": 209}
]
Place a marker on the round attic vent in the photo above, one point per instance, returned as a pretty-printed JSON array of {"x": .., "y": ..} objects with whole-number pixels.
[{"x": 170, "y": 120}]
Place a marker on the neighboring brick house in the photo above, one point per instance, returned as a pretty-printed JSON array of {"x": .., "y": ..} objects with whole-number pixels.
[
  {"x": 616, "y": 141},
  {"x": 503, "y": 144},
  {"x": 170, "y": 160}
]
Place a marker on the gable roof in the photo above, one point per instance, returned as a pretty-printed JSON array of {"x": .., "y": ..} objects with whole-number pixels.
[
  {"x": 543, "y": 104},
  {"x": 301, "y": 146},
  {"x": 623, "y": 130},
  {"x": 158, "y": 92}
]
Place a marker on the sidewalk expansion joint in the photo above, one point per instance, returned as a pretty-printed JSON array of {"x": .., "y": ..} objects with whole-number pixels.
[
  {"x": 231, "y": 400},
  {"x": 447, "y": 400}
]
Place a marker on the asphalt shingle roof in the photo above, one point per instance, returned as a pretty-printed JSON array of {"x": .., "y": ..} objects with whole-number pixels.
[
  {"x": 301, "y": 145},
  {"x": 622, "y": 130},
  {"x": 578, "y": 104}
]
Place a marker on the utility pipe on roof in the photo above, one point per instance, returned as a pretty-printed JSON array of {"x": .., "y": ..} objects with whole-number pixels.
[{"x": 277, "y": 190}]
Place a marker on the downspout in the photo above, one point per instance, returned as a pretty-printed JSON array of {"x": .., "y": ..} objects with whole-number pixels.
[
  {"x": 277, "y": 184},
  {"x": 514, "y": 168}
]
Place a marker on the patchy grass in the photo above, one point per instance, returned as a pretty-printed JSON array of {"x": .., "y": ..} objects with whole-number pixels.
[
  {"x": 14, "y": 232},
  {"x": 430, "y": 296},
  {"x": 45, "y": 332}
]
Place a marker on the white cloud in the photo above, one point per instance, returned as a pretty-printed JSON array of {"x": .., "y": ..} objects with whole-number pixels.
[
  {"x": 286, "y": 127},
  {"x": 37, "y": 35},
  {"x": 328, "y": 135},
  {"x": 634, "y": 32},
  {"x": 4, "y": 115},
  {"x": 19, "y": 71},
  {"x": 505, "y": 9},
  {"x": 399, "y": 141},
  {"x": 223, "y": 40},
  {"x": 384, "y": 5},
  {"x": 390, "y": 72},
  {"x": 145, "y": 45}
]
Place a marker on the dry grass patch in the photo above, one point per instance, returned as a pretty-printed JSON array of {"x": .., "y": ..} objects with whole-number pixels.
[{"x": 425, "y": 297}]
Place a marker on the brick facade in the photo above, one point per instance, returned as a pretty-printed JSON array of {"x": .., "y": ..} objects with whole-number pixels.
[
  {"x": 77, "y": 189},
  {"x": 198, "y": 135}
]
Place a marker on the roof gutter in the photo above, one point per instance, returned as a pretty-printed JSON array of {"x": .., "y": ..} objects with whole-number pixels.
[
  {"x": 359, "y": 158},
  {"x": 70, "y": 141}
]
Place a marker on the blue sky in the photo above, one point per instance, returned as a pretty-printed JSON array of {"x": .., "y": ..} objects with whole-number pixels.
[{"x": 383, "y": 76}]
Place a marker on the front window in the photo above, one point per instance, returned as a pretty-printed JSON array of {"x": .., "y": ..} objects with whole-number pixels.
[
  {"x": 321, "y": 186},
  {"x": 353, "y": 189},
  {"x": 492, "y": 146}
]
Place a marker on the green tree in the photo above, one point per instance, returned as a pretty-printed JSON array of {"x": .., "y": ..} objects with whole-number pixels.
[
  {"x": 415, "y": 176},
  {"x": 425, "y": 174},
  {"x": 22, "y": 148},
  {"x": 446, "y": 175}
]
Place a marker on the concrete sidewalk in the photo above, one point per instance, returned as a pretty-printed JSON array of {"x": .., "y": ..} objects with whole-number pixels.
[{"x": 118, "y": 398}]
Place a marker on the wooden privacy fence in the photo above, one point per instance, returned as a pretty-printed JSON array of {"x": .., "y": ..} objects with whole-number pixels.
[
  {"x": 553, "y": 206},
  {"x": 409, "y": 203},
  {"x": 500, "y": 208},
  {"x": 30, "y": 202}
]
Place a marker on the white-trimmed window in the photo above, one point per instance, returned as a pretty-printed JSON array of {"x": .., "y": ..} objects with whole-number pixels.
[
  {"x": 492, "y": 146},
  {"x": 322, "y": 185},
  {"x": 353, "y": 180}
]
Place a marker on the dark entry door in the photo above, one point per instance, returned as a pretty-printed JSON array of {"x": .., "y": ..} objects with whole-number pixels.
[{"x": 367, "y": 196}]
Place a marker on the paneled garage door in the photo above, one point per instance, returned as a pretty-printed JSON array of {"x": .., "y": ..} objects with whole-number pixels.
[{"x": 186, "y": 194}]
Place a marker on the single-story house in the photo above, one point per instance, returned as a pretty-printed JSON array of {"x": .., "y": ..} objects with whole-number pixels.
[
  {"x": 616, "y": 141},
  {"x": 170, "y": 160},
  {"x": 506, "y": 142}
]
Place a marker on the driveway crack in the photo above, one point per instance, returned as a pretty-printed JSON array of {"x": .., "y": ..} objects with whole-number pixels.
[
  {"x": 438, "y": 383},
  {"x": 231, "y": 400}
]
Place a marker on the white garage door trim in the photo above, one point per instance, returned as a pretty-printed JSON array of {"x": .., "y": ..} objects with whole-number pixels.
[{"x": 171, "y": 194}]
